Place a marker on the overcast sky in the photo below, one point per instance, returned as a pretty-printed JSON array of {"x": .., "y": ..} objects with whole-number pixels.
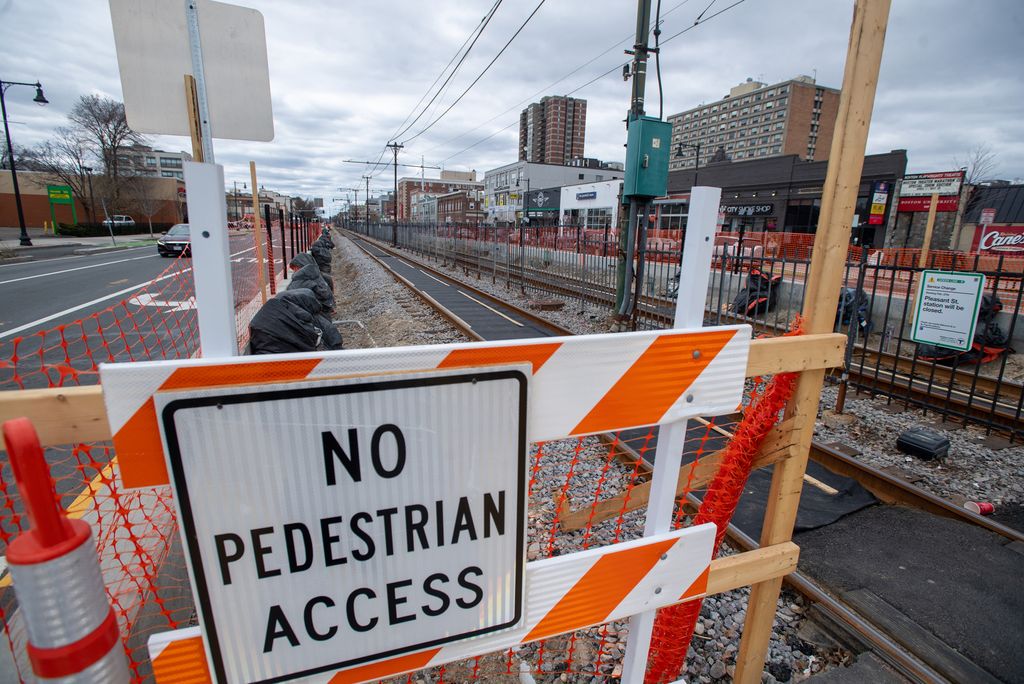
[{"x": 344, "y": 74}]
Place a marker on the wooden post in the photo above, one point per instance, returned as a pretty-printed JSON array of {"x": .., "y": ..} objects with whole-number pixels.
[
  {"x": 257, "y": 232},
  {"x": 839, "y": 198},
  {"x": 922, "y": 262},
  {"x": 192, "y": 102}
]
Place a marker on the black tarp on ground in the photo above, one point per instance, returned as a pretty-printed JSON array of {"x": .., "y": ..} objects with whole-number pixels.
[
  {"x": 309, "y": 277},
  {"x": 321, "y": 252},
  {"x": 291, "y": 322},
  {"x": 331, "y": 338},
  {"x": 817, "y": 507},
  {"x": 280, "y": 327}
]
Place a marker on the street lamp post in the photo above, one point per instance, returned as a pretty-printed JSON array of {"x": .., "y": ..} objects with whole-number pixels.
[
  {"x": 92, "y": 201},
  {"x": 39, "y": 99},
  {"x": 696, "y": 161}
]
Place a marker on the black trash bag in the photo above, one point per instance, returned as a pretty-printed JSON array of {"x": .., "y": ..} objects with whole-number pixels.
[
  {"x": 989, "y": 343},
  {"x": 321, "y": 252},
  {"x": 759, "y": 296},
  {"x": 853, "y": 302},
  {"x": 307, "y": 300},
  {"x": 326, "y": 236},
  {"x": 282, "y": 327},
  {"x": 309, "y": 277}
]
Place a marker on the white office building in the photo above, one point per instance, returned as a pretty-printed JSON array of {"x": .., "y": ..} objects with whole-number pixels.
[
  {"x": 591, "y": 205},
  {"x": 505, "y": 186}
]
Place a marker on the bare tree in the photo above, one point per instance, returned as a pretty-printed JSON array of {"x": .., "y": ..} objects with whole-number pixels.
[
  {"x": 142, "y": 196},
  {"x": 103, "y": 121},
  {"x": 979, "y": 162},
  {"x": 66, "y": 156}
]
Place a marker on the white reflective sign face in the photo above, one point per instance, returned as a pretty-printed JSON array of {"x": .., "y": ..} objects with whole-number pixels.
[{"x": 334, "y": 523}]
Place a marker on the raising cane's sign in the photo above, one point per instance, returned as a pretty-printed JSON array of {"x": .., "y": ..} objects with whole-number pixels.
[{"x": 1003, "y": 239}]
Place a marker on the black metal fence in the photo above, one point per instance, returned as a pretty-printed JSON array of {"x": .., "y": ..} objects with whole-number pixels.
[{"x": 765, "y": 288}]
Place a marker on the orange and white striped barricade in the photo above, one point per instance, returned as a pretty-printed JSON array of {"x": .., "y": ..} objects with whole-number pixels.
[
  {"x": 73, "y": 636},
  {"x": 575, "y": 386}
]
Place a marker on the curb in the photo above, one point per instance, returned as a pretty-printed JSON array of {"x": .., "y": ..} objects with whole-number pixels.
[{"x": 16, "y": 259}]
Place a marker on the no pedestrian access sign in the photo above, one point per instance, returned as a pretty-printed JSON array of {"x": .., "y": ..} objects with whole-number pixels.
[
  {"x": 947, "y": 309},
  {"x": 337, "y": 522}
]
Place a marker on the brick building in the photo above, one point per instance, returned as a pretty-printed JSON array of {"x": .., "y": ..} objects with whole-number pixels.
[
  {"x": 450, "y": 181},
  {"x": 461, "y": 207},
  {"x": 552, "y": 131},
  {"x": 756, "y": 120}
]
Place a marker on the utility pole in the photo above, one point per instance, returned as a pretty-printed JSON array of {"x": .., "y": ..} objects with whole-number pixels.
[
  {"x": 395, "y": 146},
  {"x": 640, "y": 51},
  {"x": 367, "y": 179}
]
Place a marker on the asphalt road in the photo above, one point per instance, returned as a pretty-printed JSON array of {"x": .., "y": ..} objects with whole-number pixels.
[{"x": 60, "y": 317}]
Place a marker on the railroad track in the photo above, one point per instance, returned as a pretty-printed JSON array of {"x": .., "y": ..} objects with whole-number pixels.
[
  {"x": 842, "y": 620},
  {"x": 962, "y": 394}
]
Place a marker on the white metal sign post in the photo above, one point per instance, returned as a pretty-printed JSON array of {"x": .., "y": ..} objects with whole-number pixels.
[
  {"x": 947, "y": 309},
  {"x": 693, "y": 286},
  {"x": 224, "y": 48},
  {"x": 335, "y": 523}
]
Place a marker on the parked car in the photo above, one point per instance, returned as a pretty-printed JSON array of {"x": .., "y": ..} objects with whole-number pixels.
[
  {"x": 176, "y": 241},
  {"x": 119, "y": 220}
]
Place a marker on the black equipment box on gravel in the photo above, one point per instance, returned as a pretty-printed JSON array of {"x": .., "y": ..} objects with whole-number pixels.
[{"x": 924, "y": 443}]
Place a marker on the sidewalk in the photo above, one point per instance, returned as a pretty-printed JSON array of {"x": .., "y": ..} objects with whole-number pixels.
[{"x": 43, "y": 242}]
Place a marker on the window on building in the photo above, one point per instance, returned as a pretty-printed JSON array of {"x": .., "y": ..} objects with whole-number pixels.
[
  {"x": 170, "y": 162},
  {"x": 770, "y": 93},
  {"x": 802, "y": 215},
  {"x": 782, "y": 101},
  {"x": 150, "y": 161},
  {"x": 769, "y": 105},
  {"x": 746, "y": 100},
  {"x": 756, "y": 108}
]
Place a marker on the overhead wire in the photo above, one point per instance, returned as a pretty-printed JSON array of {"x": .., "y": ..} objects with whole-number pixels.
[
  {"x": 548, "y": 87},
  {"x": 474, "y": 35},
  {"x": 618, "y": 67},
  {"x": 480, "y": 75}
]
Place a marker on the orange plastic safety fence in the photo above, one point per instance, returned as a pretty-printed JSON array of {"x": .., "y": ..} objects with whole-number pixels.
[{"x": 136, "y": 531}]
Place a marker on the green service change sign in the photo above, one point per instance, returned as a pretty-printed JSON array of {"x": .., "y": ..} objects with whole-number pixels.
[{"x": 947, "y": 308}]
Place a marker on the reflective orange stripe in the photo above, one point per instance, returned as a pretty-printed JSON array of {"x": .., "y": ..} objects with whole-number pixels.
[
  {"x": 239, "y": 374},
  {"x": 536, "y": 354},
  {"x": 385, "y": 668},
  {"x": 655, "y": 381},
  {"x": 137, "y": 443},
  {"x": 593, "y": 598},
  {"x": 699, "y": 586},
  {"x": 182, "y": 662}
]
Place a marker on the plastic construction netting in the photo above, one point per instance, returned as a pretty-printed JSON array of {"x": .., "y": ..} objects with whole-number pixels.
[
  {"x": 583, "y": 493},
  {"x": 136, "y": 532}
]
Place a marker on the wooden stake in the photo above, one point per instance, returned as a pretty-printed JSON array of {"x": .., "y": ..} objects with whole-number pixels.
[
  {"x": 257, "y": 232},
  {"x": 192, "y": 105},
  {"x": 922, "y": 262},
  {"x": 846, "y": 161}
]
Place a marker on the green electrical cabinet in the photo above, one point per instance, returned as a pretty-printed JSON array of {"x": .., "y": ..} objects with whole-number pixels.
[{"x": 648, "y": 146}]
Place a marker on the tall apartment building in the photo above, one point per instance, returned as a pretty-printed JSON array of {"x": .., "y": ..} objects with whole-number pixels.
[
  {"x": 552, "y": 131},
  {"x": 756, "y": 120}
]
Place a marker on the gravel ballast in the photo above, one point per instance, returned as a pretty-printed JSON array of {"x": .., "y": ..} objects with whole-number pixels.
[{"x": 576, "y": 473}]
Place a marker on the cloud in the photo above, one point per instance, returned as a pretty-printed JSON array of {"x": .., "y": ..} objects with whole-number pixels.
[{"x": 345, "y": 74}]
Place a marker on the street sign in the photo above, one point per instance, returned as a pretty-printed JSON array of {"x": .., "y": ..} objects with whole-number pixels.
[
  {"x": 988, "y": 216},
  {"x": 339, "y": 522},
  {"x": 153, "y": 55},
  {"x": 947, "y": 308},
  {"x": 60, "y": 194},
  {"x": 928, "y": 184}
]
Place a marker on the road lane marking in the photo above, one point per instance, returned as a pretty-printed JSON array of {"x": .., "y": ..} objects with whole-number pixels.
[
  {"x": 79, "y": 268},
  {"x": 98, "y": 300},
  {"x": 70, "y": 256},
  {"x": 491, "y": 308}
]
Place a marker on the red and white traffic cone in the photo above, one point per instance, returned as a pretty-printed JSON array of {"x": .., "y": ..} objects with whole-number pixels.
[{"x": 72, "y": 630}]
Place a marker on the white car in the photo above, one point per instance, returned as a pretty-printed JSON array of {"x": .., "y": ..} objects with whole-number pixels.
[{"x": 119, "y": 220}]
